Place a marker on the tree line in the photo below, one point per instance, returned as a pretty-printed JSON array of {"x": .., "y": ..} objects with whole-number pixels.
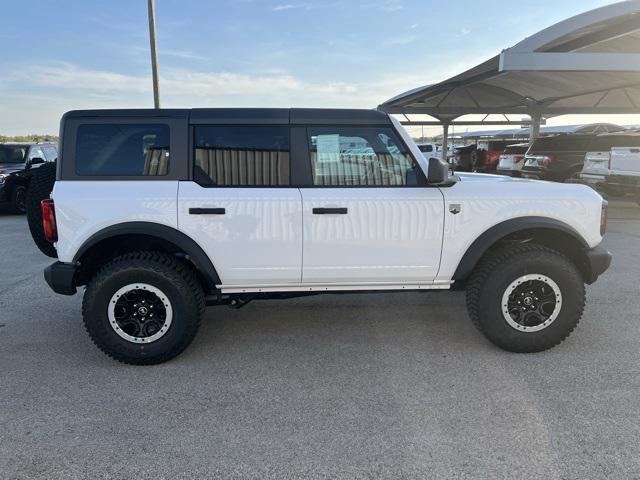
[{"x": 28, "y": 138}]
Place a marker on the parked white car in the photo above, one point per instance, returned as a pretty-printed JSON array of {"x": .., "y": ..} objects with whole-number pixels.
[
  {"x": 512, "y": 160},
  {"x": 158, "y": 213},
  {"x": 430, "y": 150},
  {"x": 616, "y": 171}
]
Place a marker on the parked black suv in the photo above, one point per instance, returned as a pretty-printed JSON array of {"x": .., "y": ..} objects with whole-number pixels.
[
  {"x": 17, "y": 163},
  {"x": 561, "y": 158}
]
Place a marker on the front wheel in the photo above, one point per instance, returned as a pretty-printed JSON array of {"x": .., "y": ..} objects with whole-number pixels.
[
  {"x": 526, "y": 298},
  {"x": 19, "y": 200},
  {"x": 143, "y": 308}
]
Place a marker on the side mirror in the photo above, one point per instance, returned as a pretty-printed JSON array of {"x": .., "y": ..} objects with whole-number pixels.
[
  {"x": 36, "y": 161},
  {"x": 438, "y": 171}
]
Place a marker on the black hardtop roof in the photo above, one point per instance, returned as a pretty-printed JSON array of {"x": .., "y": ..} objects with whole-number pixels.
[{"x": 247, "y": 116}]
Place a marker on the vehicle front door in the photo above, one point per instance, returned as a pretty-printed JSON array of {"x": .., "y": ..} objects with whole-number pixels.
[{"x": 366, "y": 218}]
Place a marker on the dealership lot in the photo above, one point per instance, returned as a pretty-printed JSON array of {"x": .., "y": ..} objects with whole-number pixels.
[{"x": 339, "y": 386}]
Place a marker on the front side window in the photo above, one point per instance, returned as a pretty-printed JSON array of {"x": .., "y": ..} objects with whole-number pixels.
[
  {"x": 359, "y": 156},
  {"x": 122, "y": 150},
  {"x": 242, "y": 155}
]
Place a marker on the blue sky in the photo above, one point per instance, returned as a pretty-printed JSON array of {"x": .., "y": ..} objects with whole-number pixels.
[{"x": 63, "y": 55}]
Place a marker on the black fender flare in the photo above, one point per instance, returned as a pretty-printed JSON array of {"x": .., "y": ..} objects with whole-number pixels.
[
  {"x": 496, "y": 233},
  {"x": 197, "y": 255}
]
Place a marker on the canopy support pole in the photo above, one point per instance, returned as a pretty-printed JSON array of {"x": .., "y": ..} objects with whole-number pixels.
[
  {"x": 445, "y": 140},
  {"x": 534, "y": 132}
]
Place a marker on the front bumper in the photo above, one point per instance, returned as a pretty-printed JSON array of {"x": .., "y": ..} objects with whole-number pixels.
[
  {"x": 4, "y": 198},
  {"x": 625, "y": 183},
  {"x": 61, "y": 277},
  {"x": 594, "y": 181},
  {"x": 598, "y": 261},
  {"x": 611, "y": 184}
]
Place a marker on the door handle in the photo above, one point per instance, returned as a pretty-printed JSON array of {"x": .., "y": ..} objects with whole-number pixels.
[
  {"x": 330, "y": 211},
  {"x": 207, "y": 211}
]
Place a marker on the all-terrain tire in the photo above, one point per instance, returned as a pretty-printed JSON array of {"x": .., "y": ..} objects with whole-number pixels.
[
  {"x": 40, "y": 188},
  {"x": 17, "y": 203},
  {"x": 498, "y": 270},
  {"x": 171, "y": 276}
]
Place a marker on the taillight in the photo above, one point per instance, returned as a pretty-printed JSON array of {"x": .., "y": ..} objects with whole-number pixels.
[
  {"x": 603, "y": 217},
  {"x": 49, "y": 220},
  {"x": 548, "y": 160}
]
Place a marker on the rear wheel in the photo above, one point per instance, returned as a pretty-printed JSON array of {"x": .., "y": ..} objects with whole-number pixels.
[
  {"x": 143, "y": 308},
  {"x": 19, "y": 199},
  {"x": 526, "y": 298}
]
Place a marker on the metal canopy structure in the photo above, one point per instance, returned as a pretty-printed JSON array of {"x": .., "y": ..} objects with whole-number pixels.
[
  {"x": 524, "y": 133},
  {"x": 587, "y": 64}
]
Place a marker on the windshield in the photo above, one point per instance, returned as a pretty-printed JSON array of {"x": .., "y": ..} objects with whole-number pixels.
[{"x": 12, "y": 153}]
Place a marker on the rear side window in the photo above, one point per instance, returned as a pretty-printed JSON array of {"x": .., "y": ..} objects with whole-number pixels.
[
  {"x": 242, "y": 155},
  {"x": 122, "y": 150},
  {"x": 359, "y": 156}
]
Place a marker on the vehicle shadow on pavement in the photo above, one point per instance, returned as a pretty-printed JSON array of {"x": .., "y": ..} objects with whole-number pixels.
[{"x": 342, "y": 324}]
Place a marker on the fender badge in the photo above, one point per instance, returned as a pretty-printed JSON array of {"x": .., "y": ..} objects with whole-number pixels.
[{"x": 455, "y": 208}]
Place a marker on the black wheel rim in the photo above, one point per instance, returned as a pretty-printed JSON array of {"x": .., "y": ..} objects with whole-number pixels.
[
  {"x": 21, "y": 199},
  {"x": 140, "y": 313},
  {"x": 531, "y": 303}
]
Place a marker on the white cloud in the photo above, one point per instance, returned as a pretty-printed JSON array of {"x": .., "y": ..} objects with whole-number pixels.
[
  {"x": 68, "y": 87},
  {"x": 288, "y": 6},
  {"x": 402, "y": 40},
  {"x": 309, "y": 6}
]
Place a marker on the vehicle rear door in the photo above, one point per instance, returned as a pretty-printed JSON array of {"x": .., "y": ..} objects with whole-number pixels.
[
  {"x": 366, "y": 219},
  {"x": 240, "y": 206}
]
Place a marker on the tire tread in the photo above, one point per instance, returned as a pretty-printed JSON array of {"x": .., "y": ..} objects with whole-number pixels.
[
  {"x": 489, "y": 264},
  {"x": 162, "y": 264}
]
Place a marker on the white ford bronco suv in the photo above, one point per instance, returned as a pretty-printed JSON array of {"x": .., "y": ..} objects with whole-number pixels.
[{"x": 159, "y": 213}]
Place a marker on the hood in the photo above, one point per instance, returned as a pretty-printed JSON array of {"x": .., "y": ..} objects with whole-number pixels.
[
  {"x": 7, "y": 168},
  {"x": 489, "y": 178}
]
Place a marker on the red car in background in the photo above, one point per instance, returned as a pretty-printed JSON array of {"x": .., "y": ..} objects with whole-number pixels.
[{"x": 481, "y": 157}]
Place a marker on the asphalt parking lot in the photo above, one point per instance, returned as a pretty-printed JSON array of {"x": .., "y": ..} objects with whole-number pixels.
[{"x": 342, "y": 386}]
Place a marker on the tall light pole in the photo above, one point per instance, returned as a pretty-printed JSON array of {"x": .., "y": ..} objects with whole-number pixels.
[{"x": 154, "y": 52}]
